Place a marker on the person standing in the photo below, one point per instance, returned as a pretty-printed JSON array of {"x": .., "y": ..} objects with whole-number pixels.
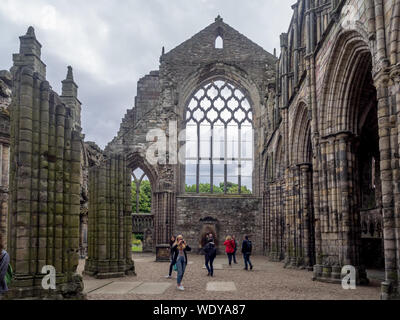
[
  {"x": 247, "y": 248},
  {"x": 234, "y": 252},
  {"x": 210, "y": 252},
  {"x": 180, "y": 249},
  {"x": 171, "y": 265},
  {"x": 4, "y": 262},
  {"x": 229, "y": 248}
]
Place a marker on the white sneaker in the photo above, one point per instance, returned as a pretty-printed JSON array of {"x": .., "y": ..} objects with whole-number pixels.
[
  {"x": 168, "y": 277},
  {"x": 181, "y": 288}
]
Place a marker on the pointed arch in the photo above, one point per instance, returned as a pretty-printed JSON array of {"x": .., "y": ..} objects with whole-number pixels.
[
  {"x": 301, "y": 135},
  {"x": 136, "y": 160},
  {"x": 350, "y": 62}
]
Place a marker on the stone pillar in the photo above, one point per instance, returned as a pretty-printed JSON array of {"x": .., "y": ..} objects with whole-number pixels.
[
  {"x": 339, "y": 205},
  {"x": 307, "y": 215},
  {"x": 83, "y": 236},
  {"x": 110, "y": 220},
  {"x": 44, "y": 182},
  {"x": 390, "y": 207},
  {"x": 164, "y": 221},
  {"x": 290, "y": 254}
]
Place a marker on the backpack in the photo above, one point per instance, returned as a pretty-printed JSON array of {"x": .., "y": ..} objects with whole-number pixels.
[
  {"x": 213, "y": 251},
  {"x": 9, "y": 275},
  {"x": 249, "y": 246}
]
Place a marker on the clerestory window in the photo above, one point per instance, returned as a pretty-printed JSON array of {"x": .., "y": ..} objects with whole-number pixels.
[{"x": 219, "y": 140}]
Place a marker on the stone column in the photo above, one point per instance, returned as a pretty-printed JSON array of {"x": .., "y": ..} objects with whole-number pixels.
[
  {"x": 307, "y": 215},
  {"x": 390, "y": 287},
  {"x": 340, "y": 229},
  {"x": 164, "y": 222},
  {"x": 110, "y": 220}
]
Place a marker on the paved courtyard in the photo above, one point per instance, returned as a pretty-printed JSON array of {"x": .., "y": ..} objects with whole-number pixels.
[{"x": 268, "y": 281}]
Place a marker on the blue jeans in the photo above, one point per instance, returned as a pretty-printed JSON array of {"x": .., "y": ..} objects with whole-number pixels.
[
  {"x": 234, "y": 257},
  {"x": 209, "y": 265},
  {"x": 171, "y": 266},
  {"x": 181, "y": 265},
  {"x": 230, "y": 256},
  {"x": 246, "y": 257}
]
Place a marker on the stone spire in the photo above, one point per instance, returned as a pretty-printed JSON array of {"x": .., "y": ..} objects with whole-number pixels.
[
  {"x": 29, "y": 43},
  {"x": 70, "y": 96},
  {"x": 69, "y": 87},
  {"x": 70, "y": 75},
  {"x": 31, "y": 32},
  {"x": 30, "y": 54}
]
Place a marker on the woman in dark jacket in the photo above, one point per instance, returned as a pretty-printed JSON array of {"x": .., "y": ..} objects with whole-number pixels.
[
  {"x": 179, "y": 251},
  {"x": 171, "y": 266}
]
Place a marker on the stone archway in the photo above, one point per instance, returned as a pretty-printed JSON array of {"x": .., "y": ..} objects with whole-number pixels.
[
  {"x": 209, "y": 225},
  {"x": 300, "y": 202},
  {"x": 349, "y": 99}
]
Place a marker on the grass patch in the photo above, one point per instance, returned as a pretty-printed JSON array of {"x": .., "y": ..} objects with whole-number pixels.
[
  {"x": 137, "y": 245},
  {"x": 137, "y": 248}
]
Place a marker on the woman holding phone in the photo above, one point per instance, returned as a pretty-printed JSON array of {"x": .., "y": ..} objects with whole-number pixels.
[{"x": 179, "y": 251}]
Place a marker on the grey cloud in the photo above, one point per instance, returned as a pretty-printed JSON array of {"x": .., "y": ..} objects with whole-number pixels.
[{"x": 126, "y": 38}]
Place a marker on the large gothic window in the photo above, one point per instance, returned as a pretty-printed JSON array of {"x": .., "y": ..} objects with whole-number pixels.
[{"x": 219, "y": 140}]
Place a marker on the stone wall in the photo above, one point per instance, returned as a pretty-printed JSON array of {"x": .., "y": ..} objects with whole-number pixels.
[
  {"x": 337, "y": 100},
  {"x": 229, "y": 215},
  {"x": 45, "y": 168}
]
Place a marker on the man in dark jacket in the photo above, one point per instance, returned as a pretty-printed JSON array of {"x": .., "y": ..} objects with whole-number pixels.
[
  {"x": 247, "y": 248},
  {"x": 210, "y": 253}
]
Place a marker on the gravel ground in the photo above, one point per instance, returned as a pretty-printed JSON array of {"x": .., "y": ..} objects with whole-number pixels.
[{"x": 268, "y": 281}]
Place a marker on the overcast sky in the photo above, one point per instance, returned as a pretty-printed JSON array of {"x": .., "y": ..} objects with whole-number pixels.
[{"x": 112, "y": 43}]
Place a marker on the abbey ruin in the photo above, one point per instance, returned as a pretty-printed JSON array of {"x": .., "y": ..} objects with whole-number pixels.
[{"x": 300, "y": 152}]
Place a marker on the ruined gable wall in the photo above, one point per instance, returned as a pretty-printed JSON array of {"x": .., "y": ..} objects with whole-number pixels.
[{"x": 162, "y": 98}]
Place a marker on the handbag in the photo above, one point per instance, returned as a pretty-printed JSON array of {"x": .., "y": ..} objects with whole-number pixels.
[
  {"x": 9, "y": 275},
  {"x": 175, "y": 267}
]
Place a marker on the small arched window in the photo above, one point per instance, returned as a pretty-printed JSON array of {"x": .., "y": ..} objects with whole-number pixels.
[{"x": 219, "y": 43}]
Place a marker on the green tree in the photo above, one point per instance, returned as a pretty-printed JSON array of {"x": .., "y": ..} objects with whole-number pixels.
[
  {"x": 144, "y": 197},
  {"x": 232, "y": 188}
]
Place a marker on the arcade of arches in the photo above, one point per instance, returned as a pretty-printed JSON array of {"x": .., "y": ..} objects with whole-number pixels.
[{"x": 300, "y": 152}]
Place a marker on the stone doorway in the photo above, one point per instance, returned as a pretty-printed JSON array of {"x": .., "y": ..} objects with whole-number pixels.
[{"x": 208, "y": 225}]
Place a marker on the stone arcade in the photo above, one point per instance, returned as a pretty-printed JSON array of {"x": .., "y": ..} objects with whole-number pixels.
[{"x": 300, "y": 152}]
